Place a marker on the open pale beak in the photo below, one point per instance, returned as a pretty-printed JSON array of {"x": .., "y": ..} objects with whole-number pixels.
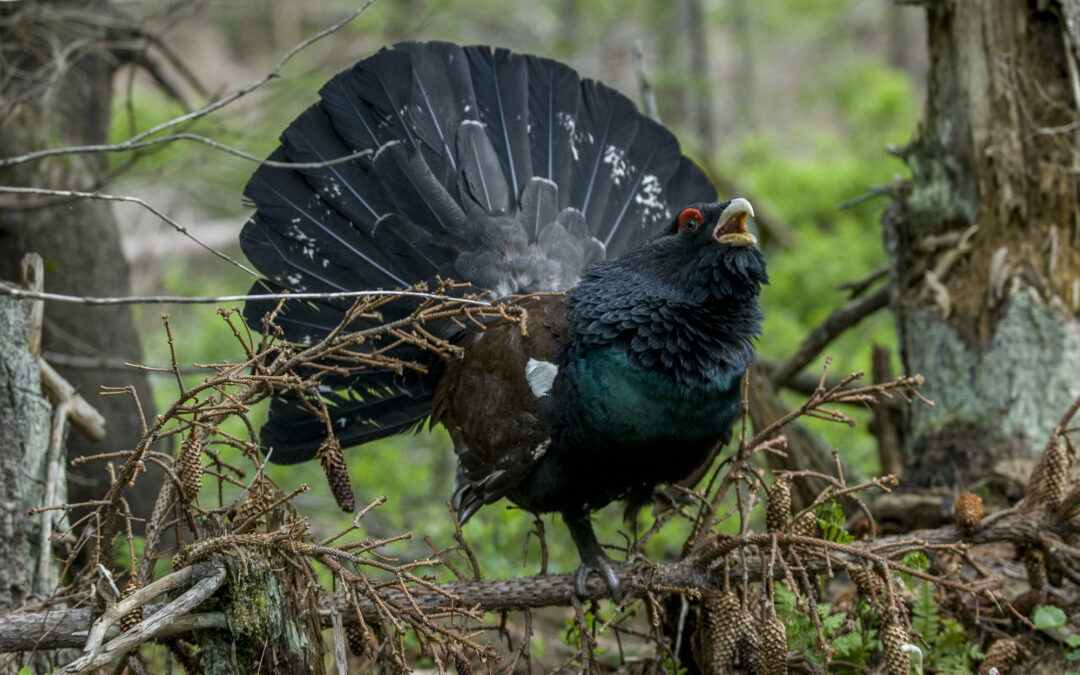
[{"x": 731, "y": 227}]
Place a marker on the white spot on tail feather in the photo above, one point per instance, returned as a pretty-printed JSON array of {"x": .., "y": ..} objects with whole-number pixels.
[
  {"x": 541, "y": 376},
  {"x": 616, "y": 159}
]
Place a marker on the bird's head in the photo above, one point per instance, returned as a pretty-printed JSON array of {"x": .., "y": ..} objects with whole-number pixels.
[
  {"x": 708, "y": 247},
  {"x": 723, "y": 222}
]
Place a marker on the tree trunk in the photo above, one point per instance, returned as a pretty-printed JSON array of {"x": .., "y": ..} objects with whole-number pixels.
[
  {"x": 24, "y": 441},
  {"x": 696, "y": 43},
  {"x": 984, "y": 242},
  {"x": 61, "y": 96}
]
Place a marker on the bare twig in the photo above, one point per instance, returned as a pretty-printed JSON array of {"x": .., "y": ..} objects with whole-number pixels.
[{"x": 835, "y": 324}]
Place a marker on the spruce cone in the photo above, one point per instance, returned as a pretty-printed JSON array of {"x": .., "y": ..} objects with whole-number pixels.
[
  {"x": 461, "y": 663},
  {"x": 1026, "y": 602},
  {"x": 805, "y": 525},
  {"x": 337, "y": 474},
  {"x": 968, "y": 512},
  {"x": 136, "y": 615},
  {"x": 179, "y": 559},
  {"x": 896, "y": 661},
  {"x": 253, "y": 504},
  {"x": 748, "y": 642},
  {"x": 773, "y": 647},
  {"x": 867, "y": 582},
  {"x": 1003, "y": 655},
  {"x": 190, "y": 467},
  {"x": 1035, "y": 564},
  {"x": 1046, "y": 486},
  {"x": 354, "y": 635},
  {"x": 778, "y": 510},
  {"x": 719, "y": 629}
]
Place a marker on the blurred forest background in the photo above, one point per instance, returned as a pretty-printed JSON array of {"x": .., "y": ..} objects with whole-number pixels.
[{"x": 790, "y": 103}]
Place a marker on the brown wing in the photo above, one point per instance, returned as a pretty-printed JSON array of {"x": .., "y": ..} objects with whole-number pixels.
[{"x": 486, "y": 403}]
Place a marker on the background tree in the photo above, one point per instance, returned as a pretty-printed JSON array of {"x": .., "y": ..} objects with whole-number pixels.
[
  {"x": 57, "y": 64},
  {"x": 983, "y": 240}
]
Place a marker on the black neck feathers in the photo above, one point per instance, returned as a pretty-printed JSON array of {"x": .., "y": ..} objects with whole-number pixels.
[{"x": 674, "y": 305}]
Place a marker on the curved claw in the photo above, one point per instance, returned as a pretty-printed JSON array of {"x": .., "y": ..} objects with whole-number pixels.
[
  {"x": 593, "y": 558},
  {"x": 600, "y": 565}
]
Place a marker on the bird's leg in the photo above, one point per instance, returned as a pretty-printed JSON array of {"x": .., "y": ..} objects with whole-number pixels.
[{"x": 593, "y": 558}]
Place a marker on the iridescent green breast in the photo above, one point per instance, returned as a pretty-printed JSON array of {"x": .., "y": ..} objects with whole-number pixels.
[{"x": 637, "y": 406}]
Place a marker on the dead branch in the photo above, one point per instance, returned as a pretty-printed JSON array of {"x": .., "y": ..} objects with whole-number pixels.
[
  {"x": 695, "y": 574},
  {"x": 836, "y": 323}
]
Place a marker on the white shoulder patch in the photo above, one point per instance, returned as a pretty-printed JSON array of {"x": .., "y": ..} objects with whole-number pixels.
[{"x": 540, "y": 376}]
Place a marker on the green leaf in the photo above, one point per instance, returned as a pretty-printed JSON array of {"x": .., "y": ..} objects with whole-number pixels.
[
  {"x": 831, "y": 520},
  {"x": 830, "y": 623},
  {"x": 1049, "y": 616},
  {"x": 925, "y": 618}
]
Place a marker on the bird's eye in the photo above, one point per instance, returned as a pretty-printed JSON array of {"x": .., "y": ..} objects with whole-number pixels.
[{"x": 690, "y": 219}]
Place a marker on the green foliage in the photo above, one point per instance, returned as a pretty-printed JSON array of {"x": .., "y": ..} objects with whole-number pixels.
[
  {"x": 831, "y": 520},
  {"x": 802, "y": 634},
  {"x": 950, "y": 650},
  {"x": 575, "y": 640},
  {"x": 915, "y": 560},
  {"x": 1049, "y": 617}
]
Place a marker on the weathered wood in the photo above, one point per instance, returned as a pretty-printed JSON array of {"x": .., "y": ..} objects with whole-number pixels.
[
  {"x": 995, "y": 331},
  {"x": 24, "y": 441}
]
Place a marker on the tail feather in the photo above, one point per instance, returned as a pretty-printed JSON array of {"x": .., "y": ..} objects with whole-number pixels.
[
  {"x": 484, "y": 188},
  {"x": 508, "y": 172},
  {"x": 500, "y": 83},
  {"x": 355, "y": 420},
  {"x": 607, "y": 126},
  {"x": 539, "y": 205},
  {"x": 554, "y": 90},
  {"x": 415, "y": 191},
  {"x": 351, "y": 188}
]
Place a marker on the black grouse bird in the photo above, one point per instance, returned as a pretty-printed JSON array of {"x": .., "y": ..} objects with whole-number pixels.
[{"x": 513, "y": 174}]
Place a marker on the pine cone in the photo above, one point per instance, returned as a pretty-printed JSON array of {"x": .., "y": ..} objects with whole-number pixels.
[
  {"x": 896, "y": 661},
  {"x": 1049, "y": 478},
  {"x": 179, "y": 559},
  {"x": 190, "y": 467},
  {"x": 461, "y": 663},
  {"x": 805, "y": 525},
  {"x": 1003, "y": 655},
  {"x": 136, "y": 615},
  {"x": 1035, "y": 564},
  {"x": 867, "y": 582},
  {"x": 253, "y": 504},
  {"x": 968, "y": 512},
  {"x": 778, "y": 510},
  {"x": 354, "y": 635},
  {"x": 773, "y": 647},
  {"x": 718, "y": 632},
  {"x": 748, "y": 642},
  {"x": 337, "y": 474}
]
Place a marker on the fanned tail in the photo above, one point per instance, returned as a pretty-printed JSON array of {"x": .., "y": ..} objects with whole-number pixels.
[{"x": 508, "y": 172}]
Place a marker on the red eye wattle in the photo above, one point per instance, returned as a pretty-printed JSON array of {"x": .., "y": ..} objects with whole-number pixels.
[{"x": 690, "y": 219}]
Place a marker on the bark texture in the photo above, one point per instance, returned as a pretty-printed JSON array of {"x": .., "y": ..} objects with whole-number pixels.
[
  {"x": 24, "y": 440},
  {"x": 984, "y": 239},
  {"x": 56, "y": 73}
]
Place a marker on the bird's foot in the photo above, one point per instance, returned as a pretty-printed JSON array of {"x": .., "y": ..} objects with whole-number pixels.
[
  {"x": 602, "y": 565},
  {"x": 593, "y": 558}
]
